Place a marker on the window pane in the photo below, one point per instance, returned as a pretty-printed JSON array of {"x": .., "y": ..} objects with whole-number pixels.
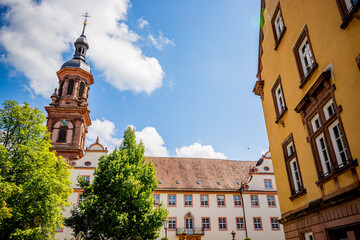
[
  {"x": 204, "y": 201},
  {"x": 295, "y": 175},
  {"x": 257, "y": 223},
  {"x": 206, "y": 223},
  {"x": 172, "y": 200},
  {"x": 237, "y": 200},
  {"x": 268, "y": 184},
  {"x": 271, "y": 201},
  {"x": 274, "y": 223},
  {"x": 338, "y": 142},
  {"x": 240, "y": 223},
  {"x": 328, "y": 109},
  {"x": 172, "y": 223},
  {"x": 254, "y": 201},
  {"x": 323, "y": 154},
  {"x": 221, "y": 200}
]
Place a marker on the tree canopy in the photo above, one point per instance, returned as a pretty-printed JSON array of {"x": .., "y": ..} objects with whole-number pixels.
[
  {"x": 34, "y": 182},
  {"x": 119, "y": 202}
]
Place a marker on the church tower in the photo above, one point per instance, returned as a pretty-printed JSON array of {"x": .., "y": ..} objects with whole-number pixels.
[{"x": 68, "y": 113}]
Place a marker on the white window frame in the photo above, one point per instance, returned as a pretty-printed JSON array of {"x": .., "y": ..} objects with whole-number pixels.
[
  {"x": 336, "y": 141},
  {"x": 306, "y": 55},
  {"x": 290, "y": 148},
  {"x": 275, "y": 222},
  {"x": 171, "y": 202},
  {"x": 309, "y": 236},
  {"x": 326, "y": 107},
  {"x": 323, "y": 154},
  {"x": 156, "y": 200},
  {"x": 279, "y": 25},
  {"x": 206, "y": 223},
  {"x": 253, "y": 201},
  {"x": 315, "y": 121},
  {"x": 202, "y": 202},
  {"x": 280, "y": 99},
  {"x": 271, "y": 203},
  {"x": 240, "y": 222},
  {"x": 257, "y": 223},
  {"x": 222, "y": 224},
  {"x": 189, "y": 223},
  {"x": 294, "y": 167},
  {"x": 188, "y": 200},
  {"x": 172, "y": 223},
  {"x": 269, "y": 182},
  {"x": 349, "y": 4},
  {"x": 237, "y": 202},
  {"x": 222, "y": 201}
]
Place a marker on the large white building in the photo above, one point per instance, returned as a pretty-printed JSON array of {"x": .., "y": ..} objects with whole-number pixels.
[{"x": 203, "y": 197}]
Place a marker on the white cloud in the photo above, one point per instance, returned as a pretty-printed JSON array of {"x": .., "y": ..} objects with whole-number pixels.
[
  {"x": 106, "y": 131},
  {"x": 161, "y": 41},
  {"x": 142, "y": 22},
  {"x": 153, "y": 142},
  {"x": 198, "y": 150},
  {"x": 35, "y": 37}
]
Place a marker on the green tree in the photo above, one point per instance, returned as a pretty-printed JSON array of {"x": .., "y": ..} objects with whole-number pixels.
[
  {"x": 119, "y": 202},
  {"x": 34, "y": 183}
]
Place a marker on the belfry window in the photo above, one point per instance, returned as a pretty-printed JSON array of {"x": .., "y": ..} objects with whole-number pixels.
[
  {"x": 70, "y": 87},
  {"x": 62, "y": 134},
  {"x": 81, "y": 90},
  {"x": 61, "y": 88}
]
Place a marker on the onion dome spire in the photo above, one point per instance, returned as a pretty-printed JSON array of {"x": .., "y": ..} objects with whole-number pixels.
[{"x": 81, "y": 46}]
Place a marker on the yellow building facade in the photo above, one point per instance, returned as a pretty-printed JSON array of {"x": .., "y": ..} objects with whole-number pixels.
[{"x": 308, "y": 81}]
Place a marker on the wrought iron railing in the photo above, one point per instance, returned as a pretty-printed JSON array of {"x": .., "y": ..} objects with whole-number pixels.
[{"x": 189, "y": 231}]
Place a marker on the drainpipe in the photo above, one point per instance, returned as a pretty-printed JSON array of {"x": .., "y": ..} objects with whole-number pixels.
[{"x": 243, "y": 207}]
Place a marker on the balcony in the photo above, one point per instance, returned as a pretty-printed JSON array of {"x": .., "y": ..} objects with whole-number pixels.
[{"x": 190, "y": 231}]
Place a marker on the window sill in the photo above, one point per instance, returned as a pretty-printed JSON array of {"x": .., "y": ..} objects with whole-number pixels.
[
  {"x": 308, "y": 75},
  {"x": 279, "y": 116},
  {"x": 350, "y": 15},
  {"x": 298, "y": 194},
  {"x": 277, "y": 41},
  {"x": 351, "y": 164}
]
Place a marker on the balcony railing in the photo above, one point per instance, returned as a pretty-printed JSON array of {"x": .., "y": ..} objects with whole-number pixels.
[{"x": 189, "y": 231}]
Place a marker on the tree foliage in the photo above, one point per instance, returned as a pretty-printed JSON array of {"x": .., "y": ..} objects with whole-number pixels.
[
  {"x": 34, "y": 183},
  {"x": 119, "y": 202}
]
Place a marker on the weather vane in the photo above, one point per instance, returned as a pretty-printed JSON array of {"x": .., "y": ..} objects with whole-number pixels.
[{"x": 86, "y": 15}]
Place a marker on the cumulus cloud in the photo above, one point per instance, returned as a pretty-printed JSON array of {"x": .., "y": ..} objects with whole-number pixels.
[
  {"x": 198, "y": 150},
  {"x": 106, "y": 131},
  {"x": 161, "y": 41},
  {"x": 35, "y": 38},
  {"x": 153, "y": 142},
  {"x": 142, "y": 22}
]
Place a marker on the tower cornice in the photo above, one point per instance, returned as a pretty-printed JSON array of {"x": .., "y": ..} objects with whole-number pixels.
[{"x": 75, "y": 71}]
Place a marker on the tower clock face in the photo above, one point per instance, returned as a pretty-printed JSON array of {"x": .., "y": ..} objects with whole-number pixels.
[{"x": 64, "y": 122}]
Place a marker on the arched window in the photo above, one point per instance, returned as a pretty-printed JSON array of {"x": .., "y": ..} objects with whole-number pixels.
[
  {"x": 61, "y": 88},
  {"x": 81, "y": 90},
  {"x": 62, "y": 134},
  {"x": 70, "y": 87}
]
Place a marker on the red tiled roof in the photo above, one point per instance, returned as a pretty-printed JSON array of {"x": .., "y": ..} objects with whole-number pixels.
[{"x": 187, "y": 171}]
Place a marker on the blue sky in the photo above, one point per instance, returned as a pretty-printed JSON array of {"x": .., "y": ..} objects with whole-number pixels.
[{"x": 181, "y": 72}]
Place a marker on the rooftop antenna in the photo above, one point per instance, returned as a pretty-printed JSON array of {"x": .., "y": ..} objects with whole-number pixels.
[{"x": 86, "y": 15}]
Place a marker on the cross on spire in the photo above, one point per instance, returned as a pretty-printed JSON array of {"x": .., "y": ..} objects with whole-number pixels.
[{"x": 86, "y": 15}]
